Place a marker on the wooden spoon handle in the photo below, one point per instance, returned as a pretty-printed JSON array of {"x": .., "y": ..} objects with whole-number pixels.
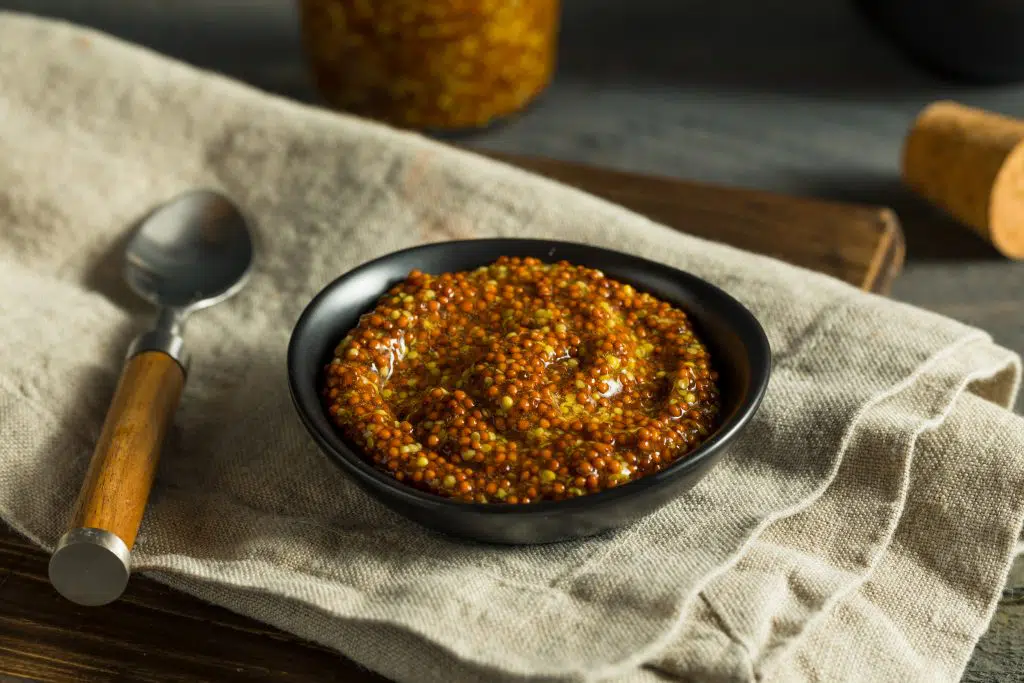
[
  {"x": 117, "y": 485},
  {"x": 123, "y": 465}
]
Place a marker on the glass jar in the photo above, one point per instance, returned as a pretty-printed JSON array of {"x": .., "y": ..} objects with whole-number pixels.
[{"x": 430, "y": 64}]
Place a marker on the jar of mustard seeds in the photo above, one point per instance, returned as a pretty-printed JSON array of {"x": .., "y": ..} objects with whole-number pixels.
[{"x": 430, "y": 64}]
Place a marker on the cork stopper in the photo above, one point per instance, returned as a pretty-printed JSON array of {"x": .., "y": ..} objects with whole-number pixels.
[{"x": 970, "y": 162}]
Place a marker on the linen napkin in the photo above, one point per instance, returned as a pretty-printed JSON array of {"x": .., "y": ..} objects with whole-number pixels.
[{"x": 860, "y": 530}]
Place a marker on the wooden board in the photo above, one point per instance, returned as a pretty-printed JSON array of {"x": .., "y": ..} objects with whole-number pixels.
[
  {"x": 156, "y": 634},
  {"x": 862, "y": 245}
]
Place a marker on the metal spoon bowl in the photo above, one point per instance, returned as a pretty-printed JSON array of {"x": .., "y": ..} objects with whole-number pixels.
[{"x": 190, "y": 253}]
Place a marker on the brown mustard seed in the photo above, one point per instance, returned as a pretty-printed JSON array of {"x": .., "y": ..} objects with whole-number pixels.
[
  {"x": 444, "y": 64},
  {"x": 562, "y": 383}
]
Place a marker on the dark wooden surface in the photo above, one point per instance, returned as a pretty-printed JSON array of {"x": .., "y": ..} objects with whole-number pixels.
[
  {"x": 862, "y": 245},
  {"x": 155, "y": 634},
  {"x": 151, "y": 634},
  {"x": 800, "y": 97}
]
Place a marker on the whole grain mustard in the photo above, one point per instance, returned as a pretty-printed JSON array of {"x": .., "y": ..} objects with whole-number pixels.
[
  {"x": 521, "y": 381},
  {"x": 431, "y": 64}
]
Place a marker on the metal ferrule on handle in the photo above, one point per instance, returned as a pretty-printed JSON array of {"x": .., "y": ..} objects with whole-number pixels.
[
  {"x": 164, "y": 341},
  {"x": 91, "y": 563}
]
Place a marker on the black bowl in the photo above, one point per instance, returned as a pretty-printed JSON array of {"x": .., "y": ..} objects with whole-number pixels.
[{"x": 740, "y": 354}]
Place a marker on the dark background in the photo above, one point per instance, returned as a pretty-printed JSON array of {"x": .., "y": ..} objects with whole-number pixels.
[{"x": 797, "y": 96}]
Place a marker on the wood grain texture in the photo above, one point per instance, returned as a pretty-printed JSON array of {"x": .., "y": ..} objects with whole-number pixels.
[
  {"x": 862, "y": 245},
  {"x": 151, "y": 633},
  {"x": 803, "y": 98},
  {"x": 120, "y": 475},
  {"x": 155, "y": 634}
]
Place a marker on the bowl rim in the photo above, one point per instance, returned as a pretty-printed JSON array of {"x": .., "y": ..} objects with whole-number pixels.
[{"x": 349, "y": 457}]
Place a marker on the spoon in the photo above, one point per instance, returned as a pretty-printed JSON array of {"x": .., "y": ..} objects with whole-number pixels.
[{"x": 190, "y": 253}]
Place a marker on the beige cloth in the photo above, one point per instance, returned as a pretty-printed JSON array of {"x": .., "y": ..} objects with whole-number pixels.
[{"x": 860, "y": 530}]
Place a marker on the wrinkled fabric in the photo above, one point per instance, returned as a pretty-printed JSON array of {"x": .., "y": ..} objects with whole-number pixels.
[{"x": 861, "y": 529}]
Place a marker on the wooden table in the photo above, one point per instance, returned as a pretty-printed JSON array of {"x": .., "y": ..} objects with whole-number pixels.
[
  {"x": 156, "y": 634},
  {"x": 862, "y": 245},
  {"x": 802, "y": 97}
]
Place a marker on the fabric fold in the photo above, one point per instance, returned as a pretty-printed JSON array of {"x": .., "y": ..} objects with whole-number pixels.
[
  {"x": 803, "y": 520},
  {"x": 793, "y": 574},
  {"x": 928, "y": 601}
]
